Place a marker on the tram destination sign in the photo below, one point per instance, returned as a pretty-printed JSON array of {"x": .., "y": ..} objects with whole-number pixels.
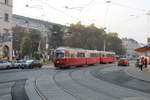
[{"x": 5, "y": 37}]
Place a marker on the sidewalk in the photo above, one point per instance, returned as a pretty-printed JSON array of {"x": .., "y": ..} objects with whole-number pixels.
[
  {"x": 137, "y": 73},
  {"x": 48, "y": 65}
]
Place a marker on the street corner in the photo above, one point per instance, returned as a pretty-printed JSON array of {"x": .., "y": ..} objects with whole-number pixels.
[{"x": 138, "y": 74}]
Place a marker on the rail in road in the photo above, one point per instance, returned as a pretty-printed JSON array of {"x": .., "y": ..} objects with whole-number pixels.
[
  {"x": 13, "y": 90},
  {"x": 88, "y": 83},
  {"x": 58, "y": 83}
]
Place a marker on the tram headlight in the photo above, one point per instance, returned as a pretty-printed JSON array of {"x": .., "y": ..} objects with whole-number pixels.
[{"x": 57, "y": 61}]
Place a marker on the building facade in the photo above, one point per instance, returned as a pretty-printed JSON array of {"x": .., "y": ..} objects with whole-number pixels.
[
  {"x": 26, "y": 22},
  {"x": 130, "y": 45},
  {"x": 6, "y": 27},
  {"x": 44, "y": 27}
]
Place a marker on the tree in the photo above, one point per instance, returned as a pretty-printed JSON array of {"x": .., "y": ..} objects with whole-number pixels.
[
  {"x": 114, "y": 43},
  {"x": 89, "y": 37},
  {"x": 18, "y": 34},
  {"x": 5, "y": 51},
  {"x": 35, "y": 38},
  {"x": 25, "y": 47},
  {"x": 56, "y": 37}
]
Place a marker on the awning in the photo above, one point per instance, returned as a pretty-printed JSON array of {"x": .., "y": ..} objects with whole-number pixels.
[{"x": 142, "y": 49}]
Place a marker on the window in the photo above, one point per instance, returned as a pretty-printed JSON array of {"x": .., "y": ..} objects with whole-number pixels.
[
  {"x": 6, "y": 2},
  {"x": 80, "y": 55},
  {"x": 67, "y": 54},
  {"x": 93, "y": 55},
  {"x": 59, "y": 55},
  {"x": 6, "y": 17},
  {"x": 6, "y": 30}
]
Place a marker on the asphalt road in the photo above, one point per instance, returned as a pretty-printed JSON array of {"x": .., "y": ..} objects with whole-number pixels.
[{"x": 99, "y": 82}]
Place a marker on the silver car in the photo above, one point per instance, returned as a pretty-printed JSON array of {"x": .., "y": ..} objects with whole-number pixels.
[{"x": 5, "y": 64}]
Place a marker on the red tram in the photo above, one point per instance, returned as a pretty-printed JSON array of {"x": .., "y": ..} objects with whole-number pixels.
[{"x": 66, "y": 57}]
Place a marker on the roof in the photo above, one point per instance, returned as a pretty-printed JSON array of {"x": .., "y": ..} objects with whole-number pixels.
[
  {"x": 34, "y": 20},
  {"x": 142, "y": 49}
]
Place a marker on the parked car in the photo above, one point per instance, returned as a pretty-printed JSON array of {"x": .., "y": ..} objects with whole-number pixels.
[
  {"x": 33, "y": 64},
  {"x": 5, "y": 64},
  {"x": 20, "y": 64},
  {"x": 123, "y": 62}
]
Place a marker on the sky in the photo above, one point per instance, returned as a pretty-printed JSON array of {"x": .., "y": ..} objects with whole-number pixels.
[{"x": 126, "y": 17}]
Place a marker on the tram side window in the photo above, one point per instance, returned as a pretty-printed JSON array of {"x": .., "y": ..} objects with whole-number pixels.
[
  {"x": 93, "y": 55},
  {"x": 80, "y": 55},
  {"x": 103, "y": 55},
  {"x": 107, "y": 55},
  {"x": 113, "y": 55},
  {"x": 72, "y": 55},
  {"x": 59, "y": 55},
  {"x": 67, "y": 55}
]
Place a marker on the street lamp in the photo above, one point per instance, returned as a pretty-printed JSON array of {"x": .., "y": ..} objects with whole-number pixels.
[
  {"x": 108, "y": 1},
  {"x": 41, "y": 25}
]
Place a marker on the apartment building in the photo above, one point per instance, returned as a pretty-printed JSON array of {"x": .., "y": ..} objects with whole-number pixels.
[{"x": 6, "y": 26}]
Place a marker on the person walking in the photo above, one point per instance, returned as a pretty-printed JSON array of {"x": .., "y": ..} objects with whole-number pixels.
[
  {"x": 137, "y": 63},
  {"x": 141, "y": 64},
  {"x": 145, "y": 62}
]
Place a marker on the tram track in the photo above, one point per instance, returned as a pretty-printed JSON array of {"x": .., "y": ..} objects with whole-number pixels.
[
  {"x": 90, "y": 87},
  {"x": 8, "y": 71},
  {"x": 18, "y": 90},
  {"x": 69, "y": 90},
  {"x": 122, "y": 79},
  {"x": 40, "y": 94},
  {"x": 66, "y": 90},
  {"x": 61, "y": 85}
]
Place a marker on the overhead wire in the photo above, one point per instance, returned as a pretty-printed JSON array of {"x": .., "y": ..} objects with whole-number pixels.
[
  {"x": 50, "y": 6},
  {"x": 86, "y": 5},
  {"x": 129, "y": 7},
  {"x": 106, "y": 13}
]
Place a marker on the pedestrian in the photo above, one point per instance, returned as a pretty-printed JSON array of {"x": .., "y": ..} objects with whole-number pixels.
[
  {"x": 145, "y": 62},
  {"x": 142, "y": 60},
  {"x": 141, "y": 64},
  {"x": 137, "y": 63}
]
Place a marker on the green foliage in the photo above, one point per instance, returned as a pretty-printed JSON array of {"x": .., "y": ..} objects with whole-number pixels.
[
  {"x": 5, "y": 51},
  {"x": 114, "y": 43},
  {"x": 35, "y": 38},
  {"x": 91, "y": 37},
  {"x": 25, "y": 47},
  {"x": 26, "y": 41},
  {"x": 56, "y": 37},
  {"x": 18, "y": 34}
]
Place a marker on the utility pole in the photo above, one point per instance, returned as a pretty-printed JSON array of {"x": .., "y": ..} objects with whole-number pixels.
[{"x": 104, "y": 45}]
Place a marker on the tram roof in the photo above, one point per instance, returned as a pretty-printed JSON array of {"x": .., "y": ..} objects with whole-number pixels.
[
  {"x": 73, "y": 49},
  {"x": 68, "y": 48}
]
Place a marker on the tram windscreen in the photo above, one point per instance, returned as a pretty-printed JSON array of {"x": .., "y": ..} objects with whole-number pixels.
[{"x": 59, "y": 55}]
